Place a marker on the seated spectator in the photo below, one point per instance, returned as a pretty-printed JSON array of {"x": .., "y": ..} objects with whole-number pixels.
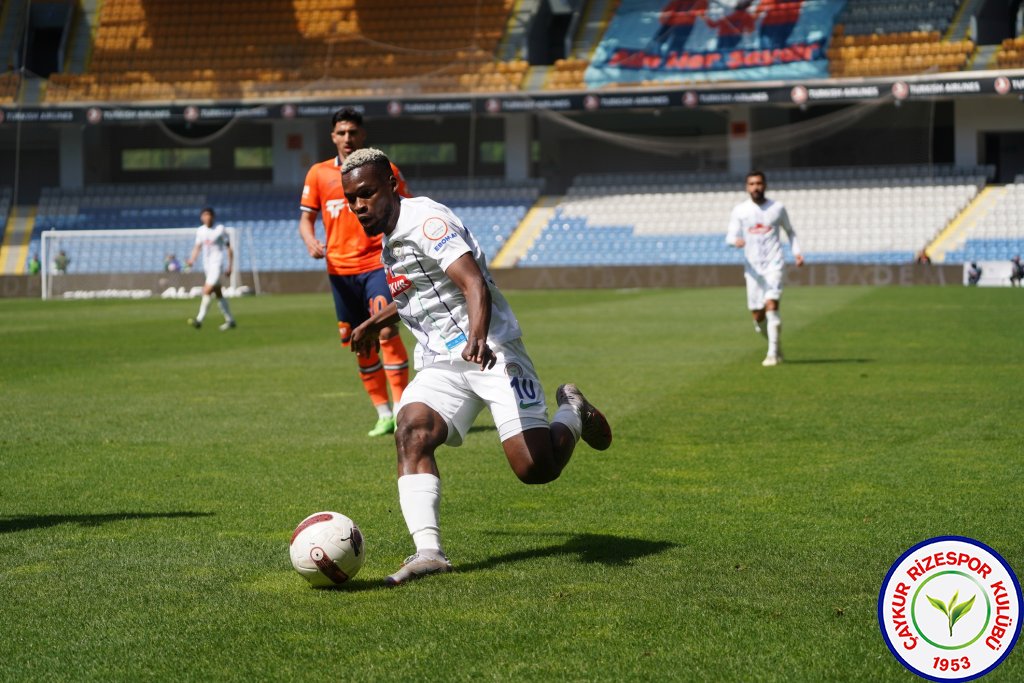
[
  {"x": 923, "y": 257},
  {"x": 171, "y": 264},
  {"x": 1016, "y": 271},
  {"x": 61, "y": 262},
  {"x": 34, "y": 265},
  {"x": 973, "y": 274}
]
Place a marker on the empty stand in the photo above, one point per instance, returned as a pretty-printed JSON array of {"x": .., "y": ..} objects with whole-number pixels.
[
  {"x": 491, "y": 208},
  {"x": 866, "y": 215},
  {"x": 896, "y": 53},
  {"x": 148, "y": 50},
  {"x": 999, "y": 234}
]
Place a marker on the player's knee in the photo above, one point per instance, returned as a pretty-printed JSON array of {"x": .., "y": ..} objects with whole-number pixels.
[
  {"x": 417, "y": 436},
  {"x": 536, "y": 473}
]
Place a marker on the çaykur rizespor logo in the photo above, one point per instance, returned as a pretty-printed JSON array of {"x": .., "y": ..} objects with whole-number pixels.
[{"x": 949, "y": 609}]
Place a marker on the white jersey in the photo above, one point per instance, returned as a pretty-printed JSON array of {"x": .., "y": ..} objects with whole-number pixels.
[
  {"x": 427, "y": 239},
  {"x": 759, "y": 227},
  {"x": 215, "y": 246}
]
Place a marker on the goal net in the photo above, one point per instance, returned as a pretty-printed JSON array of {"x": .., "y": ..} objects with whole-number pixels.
[{"x": 93, "y": 264}]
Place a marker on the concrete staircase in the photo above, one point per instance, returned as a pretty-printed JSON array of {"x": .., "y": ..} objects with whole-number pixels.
[
  {"x": 526, "y": 234},
  {"x": 80, "y": 44},
  {"x": 956, "y": 233},
  {"x": 591, "y": 27},
  {"x": 960, "y": 26},
  {"x": 983, "y": 58},
  {"x": 14, "y": 249}
]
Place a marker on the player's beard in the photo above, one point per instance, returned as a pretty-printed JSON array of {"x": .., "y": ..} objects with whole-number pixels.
[{"x": 382, "y": 224}]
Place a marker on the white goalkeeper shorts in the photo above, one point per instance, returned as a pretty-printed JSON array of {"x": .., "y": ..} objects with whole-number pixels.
[
  {"x": 458, "y": 391},
  {"x": 761, "y": 287}
]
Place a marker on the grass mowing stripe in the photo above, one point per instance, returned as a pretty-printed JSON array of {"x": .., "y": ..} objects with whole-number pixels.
[{"x": 739, "y": 528}]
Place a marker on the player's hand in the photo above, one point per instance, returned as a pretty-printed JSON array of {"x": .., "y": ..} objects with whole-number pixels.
[
  {"x": 316, "y": 249},
  {"x": 227, "y": 271},
  {"x": 799, "y": 260},
  {"x": 364, "y": 339},
  {"x": 477, "y": 351},
  {"x": 188, "y": 264},
  {"x": 740, "y": 243}
]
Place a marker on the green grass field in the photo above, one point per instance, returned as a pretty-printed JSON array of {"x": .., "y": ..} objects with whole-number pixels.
[{"x": 738, "y": 529}]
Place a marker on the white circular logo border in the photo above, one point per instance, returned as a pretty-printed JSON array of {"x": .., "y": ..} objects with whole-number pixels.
[{"x": 882, "y": 604}]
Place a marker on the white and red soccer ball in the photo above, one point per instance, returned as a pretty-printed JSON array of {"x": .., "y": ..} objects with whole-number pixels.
[{"x": 327, "y": 549}]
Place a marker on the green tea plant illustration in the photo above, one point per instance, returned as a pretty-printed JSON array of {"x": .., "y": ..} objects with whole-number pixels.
[{"x": 952, "y": 611}]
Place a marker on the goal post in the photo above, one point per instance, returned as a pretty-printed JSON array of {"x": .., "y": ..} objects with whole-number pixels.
[{"x": 134, "y": 264}]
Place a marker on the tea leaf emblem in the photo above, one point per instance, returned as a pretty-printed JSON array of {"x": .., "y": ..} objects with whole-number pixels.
[{"x": 953, "y": 611}]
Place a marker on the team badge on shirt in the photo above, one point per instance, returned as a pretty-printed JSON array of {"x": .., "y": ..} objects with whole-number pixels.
[
  {"x": 513, "y": 370},
  {"x": 397, "y": 249}
]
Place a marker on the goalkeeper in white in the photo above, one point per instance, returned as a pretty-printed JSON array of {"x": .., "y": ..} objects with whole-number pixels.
[
  {"x": 217, "y": 256},
  {"x": 754, "y": 227}
]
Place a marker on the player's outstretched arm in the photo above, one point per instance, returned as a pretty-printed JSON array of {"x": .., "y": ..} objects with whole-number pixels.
[
  {"x": 466, "y": 275},
  {"x": 307, "y": 231},
  {"x": 366, "y": 337}
]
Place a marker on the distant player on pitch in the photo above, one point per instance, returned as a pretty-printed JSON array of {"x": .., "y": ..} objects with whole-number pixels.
[
  {"x": 754, "y": 227},
  {"x": 468, "y": 355},
  {"x": 354, "y": 268},
  {"x": 217, "y": 257}
]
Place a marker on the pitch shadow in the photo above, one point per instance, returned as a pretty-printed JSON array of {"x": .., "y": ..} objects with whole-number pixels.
[
  {"x": 612, "y": 551},
  {"x": 24, "y": 522},
  {"x": 824, "y": 361}
]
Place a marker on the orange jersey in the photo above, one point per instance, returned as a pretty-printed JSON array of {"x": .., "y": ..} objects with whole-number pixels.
[{"x": 349, "y": 250}]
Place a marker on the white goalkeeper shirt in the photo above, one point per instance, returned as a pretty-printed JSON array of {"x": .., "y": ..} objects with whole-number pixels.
[
  {"x": 427, "y": 239},
  {"x": 215, "y": 246},
  {"x": 760, "y": 225}
]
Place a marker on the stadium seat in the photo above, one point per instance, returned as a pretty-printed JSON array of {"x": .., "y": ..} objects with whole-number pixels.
[{"x": 682, "y": 218}]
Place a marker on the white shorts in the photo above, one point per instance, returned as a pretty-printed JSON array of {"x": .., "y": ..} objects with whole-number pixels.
[
  {"x": 761, "y": 287},
  {"x": 213, "y": 274},
  {"x": 458, "y": 391}
]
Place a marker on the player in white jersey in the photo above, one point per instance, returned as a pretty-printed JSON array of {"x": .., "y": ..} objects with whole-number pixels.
[
  {"x": 468, "y": 355},
  {"x": 215, "y": 246},
  {"x": 754, "y": 227}
]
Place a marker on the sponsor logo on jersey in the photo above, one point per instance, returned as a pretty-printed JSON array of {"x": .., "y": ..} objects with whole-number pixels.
[
  {"x": 397, "y": 284},
  {"x": 305, "y": 190},
  {"x": 759, "y": 229},
  {"x": 435, "y": 228},
  {"x": 456, "y": 341},
  {"x": 335, "y": 207},
  {"x": 448, "y": 238}
]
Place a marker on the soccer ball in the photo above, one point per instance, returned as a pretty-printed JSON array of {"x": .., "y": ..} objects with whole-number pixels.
[{"x": 327, "y": 549}]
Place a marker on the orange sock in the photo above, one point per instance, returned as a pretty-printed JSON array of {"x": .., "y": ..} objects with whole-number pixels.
[
  {"x": 396, "y": 365},
  {"x": 374, "y": 380}
]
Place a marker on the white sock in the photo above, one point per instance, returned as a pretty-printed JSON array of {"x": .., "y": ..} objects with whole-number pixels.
[
  {"x": 384, "y": 410},
  {"x": 774, "y": 332},
  {"x": 223, "y": 303},
  {"x": 203, "y": 305},
  {"x": 570, "y": 417},
  {"x": 420, "y": 498}
]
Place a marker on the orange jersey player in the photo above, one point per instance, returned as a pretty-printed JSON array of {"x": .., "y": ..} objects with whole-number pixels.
[{"x": 354, "y": 267}]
